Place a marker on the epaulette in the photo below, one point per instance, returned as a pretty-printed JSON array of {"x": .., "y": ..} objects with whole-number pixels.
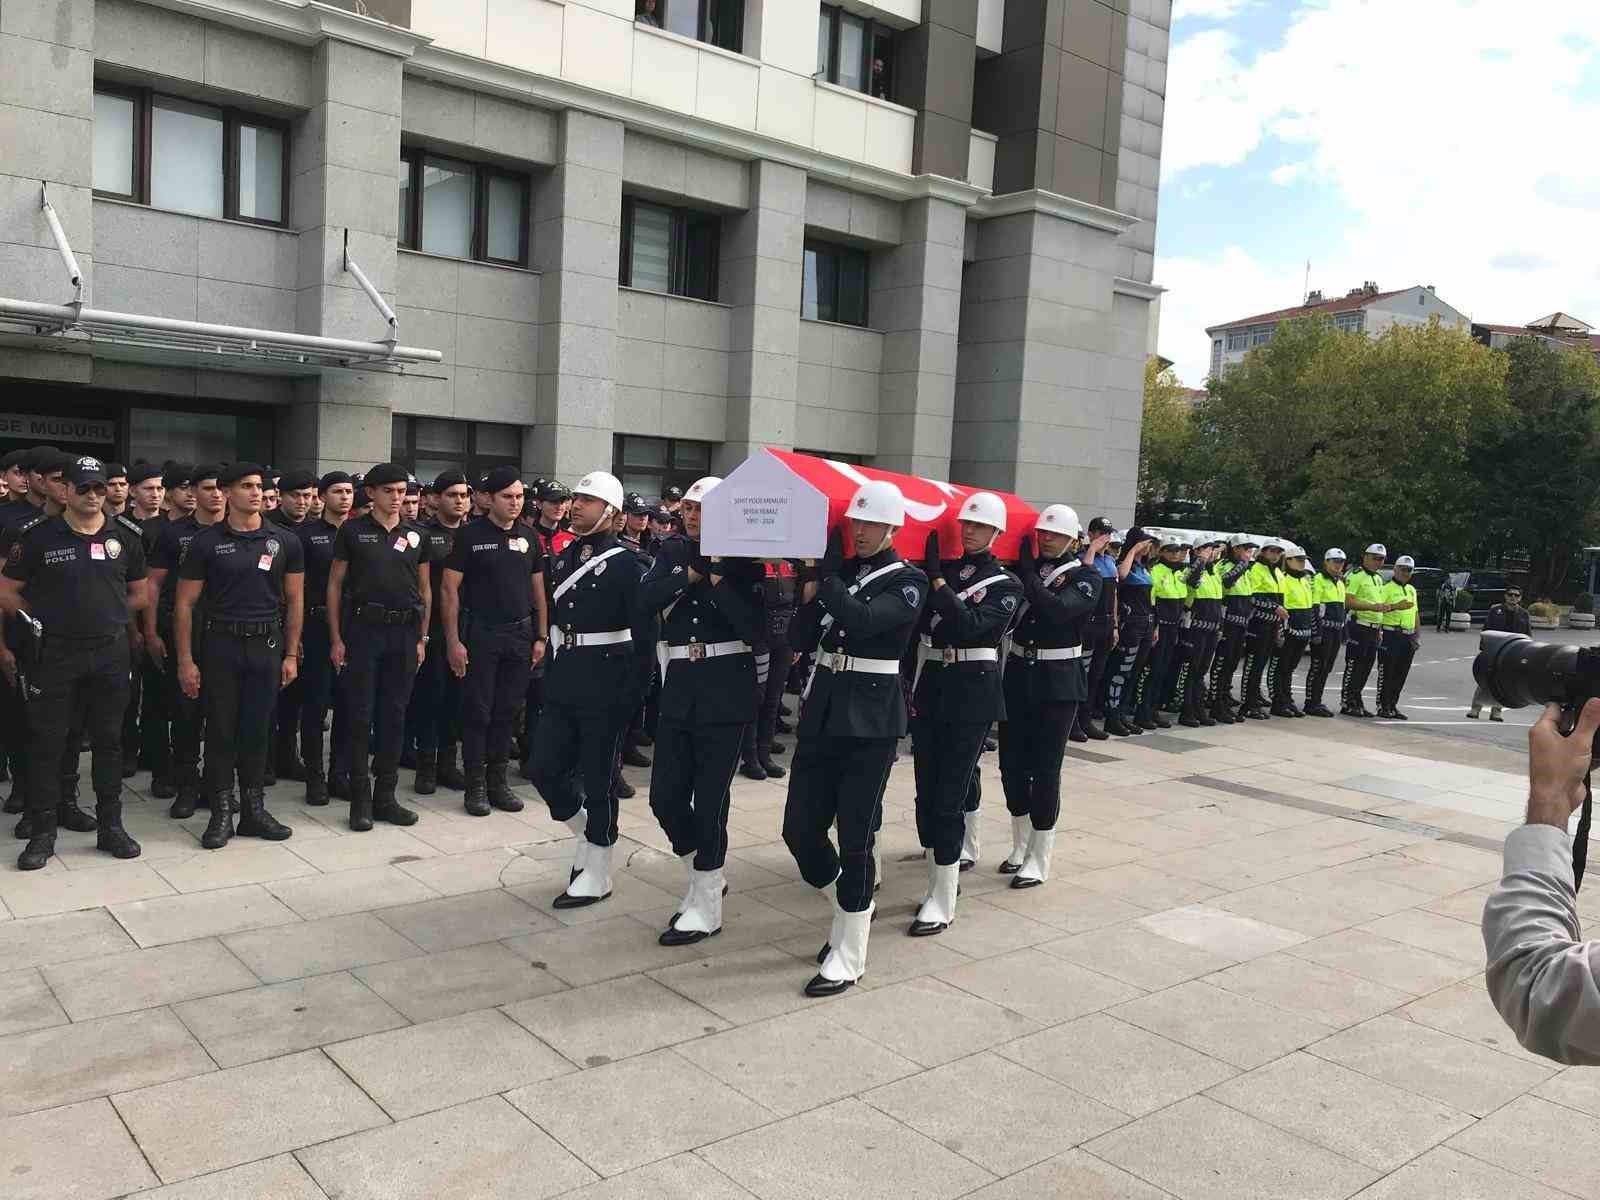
[
  {"x": 30, "y": 523},
  {"x": 130, "y": 525}
]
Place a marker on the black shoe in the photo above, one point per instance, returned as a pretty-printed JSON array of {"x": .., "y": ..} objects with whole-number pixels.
[
  {"x": 752, "y": 770},
  {"x": 568, "y": 901},
  {"x": 1078, "y": 735},
  {"x": 990, "y": 745},
  {"x": 316, "y": 789},
  {"x": 776, "y": 748},
  {"x": 23, "y": 829},
  {"x": 188, "y": 800},
  {"x": 1317, "y": 710},
  {"x": 623, "y": 790},
  {"x": 162, "y": 789},
  {"x": 219, "y": 829},
  {"x": 476, "y": 801},
  {"x": 782, "y": 726},
  {"x": 1365, "y": 712},
  {"x": 1254, "y": 714},
  {"x": 255, "y": 821},
  {"x": 360, "y": 803},
  {"x": 1493, "y": 717},
  {"x": 1189, "y": 722},
  {"x": 70, "y": 816},
  {"x": 111, "y": 836},
  {"x": 449, "y": 774},
  {"x": 926, "y": 928},
  {"x": 1148, "y": 724},
  {"x": 500, "y": 795},
  {"x": 673, "y": 936},
  {"x": 1115, "y": 726},
  {"x": 1093, "y": 732},
  {"x": 773, "y": 770},
  {"x": 1222, "y": 716},
  {"x": 1396, "y": 715},
  {"x": 1161, "y": 721},
  {"x": 1207, "y": 720},
  {"x": 339, "y": 784},
  {"x": 427, "y": 781},
  {"x": 1285, "y": 710},
  {"x": 37, "y": 852},
  {"x": 784, "y": 710},
  {"x": 1018, "y": 882},
  {"x": 633, "y": 758},
  {"x": 828, "y": 987}
]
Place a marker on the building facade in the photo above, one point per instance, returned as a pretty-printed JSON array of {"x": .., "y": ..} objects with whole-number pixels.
[
  {"x": 1364, "y": 309},
  {"x": 1561, "y": 330},
  {"x": 647, "y": 234}
]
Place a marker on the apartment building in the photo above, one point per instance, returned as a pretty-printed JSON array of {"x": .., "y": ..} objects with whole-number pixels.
[{"x": 646, "y": 234}]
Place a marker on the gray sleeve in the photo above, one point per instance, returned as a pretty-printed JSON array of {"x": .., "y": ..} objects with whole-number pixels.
[{"x": 1542, "y": 979}]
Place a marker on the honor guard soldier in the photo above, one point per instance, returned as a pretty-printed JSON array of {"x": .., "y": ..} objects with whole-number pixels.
[
  {"x": 1327, "y": 597},
  {"x": 859, "y": 616},
  {"x": 1046, "y": 682},
  {"x": 1203, "y": 631},
  {"x": 592, "y": 685},
  {"x": 241, "y": 574},
  {"x": 437, "y": 692},
  {"x": 1400, "y": 638},
  {"x": 196, "y": 489},
  {"x": 378, "y": 601},
  {"x": 494, "y": 626},
  {"x": 78, "y": 576},
  {"x": 319, "y": 683},
  {"x": 1363, "y": 600},
  {"x": 1297, "y": 633},
  {"x": 711, "y": 617},
  {"x": 1234, "y": 575},
  {"x": 956, "y": 693}
]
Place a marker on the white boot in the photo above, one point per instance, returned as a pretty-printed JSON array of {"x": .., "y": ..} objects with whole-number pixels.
[
  {"x": 969, "y": 841},
  {"x": 593, "y": 882},
  {"x": 1021, "y": 831},
  {"x": 579, "y": 824},
  {"x": 1036, "y": 867},
  {"x": 702, "y": 912},
  {"x": 846, "y": 960},
  {"x": 688, "y": 896},
  {"x": 877, "y": 866},
  {"x": 939, "y": 908}
]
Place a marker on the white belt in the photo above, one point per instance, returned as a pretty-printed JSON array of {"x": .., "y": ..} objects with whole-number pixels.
[
  {"x": 951, "y": 654},
  {"x": 1056, "y": 654},
  {"x": 839, "y": 663},
  {"x": 696, "y": 651},
  {"x": 574, "y": 641}
]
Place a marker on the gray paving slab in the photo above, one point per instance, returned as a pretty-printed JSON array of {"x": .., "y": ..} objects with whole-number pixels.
[
  {"x": 1391, "y": 963},
  {"x": 1547, "y": 1143},
  {"x": 357, "y": 889},
  {"x": 1220, "y": 932},
  {"x": 929, "y": 1021},
  {"x": 51, "y": 892},
  {"x": 457, "y": 981},
  {"x": 1446, "y": 1174},
  {"x": 617, "y": 1019},
  {"x": 1223, "y": 1024},
  {"x": 201, "y": 914},
  {"x": 1466, "y": 1011},
  {"x": 1042, "y": 987},
  {"x": 26, "y": 1003},
  {"x": 68, "y": 1063},
  {"x": 280, "y": 1178},
  {"x": 1073, "y": 1174},
  {"x": 1135, "y": 955},
  {"x": 744, "y": 986},
  {"x": 1576, "y": 1087},
  {"x": 682, "y": 1177},
  {"x": 78, "y": 1152},
  {"x": 1309, "y": 989},
  {"x": 316, "y": 947},
  {"x": 455, "y": 921},
  {"x": 579, "y": 955},
  {"x": 281, "y": 1018},
  {"x": 41, "y": 940},
  {"x": 135, "y": 979}
]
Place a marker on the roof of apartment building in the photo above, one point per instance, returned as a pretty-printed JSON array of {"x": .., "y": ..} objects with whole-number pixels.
[{"x": 1356, "y": 298}]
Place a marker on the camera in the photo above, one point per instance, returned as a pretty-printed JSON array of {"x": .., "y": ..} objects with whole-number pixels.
[{"x": 1513, "y": 670}]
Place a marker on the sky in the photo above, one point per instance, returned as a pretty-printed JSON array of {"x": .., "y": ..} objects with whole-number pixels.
[{"x": 1444, "y": 142}]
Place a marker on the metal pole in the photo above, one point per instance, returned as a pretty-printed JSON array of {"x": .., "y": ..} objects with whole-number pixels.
[
  {"x": 372, "y": 293},
  {"x": 63, "y": 247}
]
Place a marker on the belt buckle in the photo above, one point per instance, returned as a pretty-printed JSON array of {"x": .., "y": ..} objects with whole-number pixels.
[
  {"x": 948, "y": 654},
  {"x": 837, "y": 661},
  {"x": 697, "y": 652},
  {"x": 1030, "y": 654}
]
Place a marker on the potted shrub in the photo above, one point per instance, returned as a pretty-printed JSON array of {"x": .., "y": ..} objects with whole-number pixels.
[
  {"x": 1543, "y": 615},
  {"x": 1461, "y": 611},
  {"x": 1582, "y": 614}
]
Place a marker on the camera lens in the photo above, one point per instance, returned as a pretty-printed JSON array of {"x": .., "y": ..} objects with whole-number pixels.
[{"x": 1516, "y": 671}]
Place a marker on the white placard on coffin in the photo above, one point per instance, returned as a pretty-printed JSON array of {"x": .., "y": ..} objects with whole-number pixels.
[{"x": 764, "y": 509}]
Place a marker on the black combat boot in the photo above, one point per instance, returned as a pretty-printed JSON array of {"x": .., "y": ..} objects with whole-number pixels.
[
  {"x": 219, "y": 829},
  {"x": 338, "y": 782},
  {"x": 773, "y": 770},
  {"x": 361, "y": 803},
  {"x": 427, "y": 780},
  {"x": 111, "y": 836},
  {"x": 287, "y": 758},
  {"x": 500, "y": 794},
  {"x": 255, "y": 821},
  {"x": 449, "y": 774},
  {"x": 316, "y": 786},
  {"x": 386, "y": 808},
  {"x": 476, "y": 801},
  {"x": 188, "y": 792},
  {"x": 68, "y": 814},
  {"x": 41, "y": 841}
]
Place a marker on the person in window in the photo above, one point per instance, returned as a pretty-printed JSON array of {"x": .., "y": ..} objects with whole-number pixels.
[
  {"x": 880, "y": 79},
  {"x": 646, "y": 14}
]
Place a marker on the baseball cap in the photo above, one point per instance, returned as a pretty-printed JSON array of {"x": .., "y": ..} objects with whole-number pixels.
[
  {"x": 83, "y": 470},
  {"x": 633, "y": 504},
  {"x": 1334, "y": 555},
  {"x": 1101, "y": 525},
  {"x": 672, "y": 493},
  {"x": 658, "y": 513},
  {"x": 1379, "y": 549},
  {"x": 555, "y": 490},
  {"x": 1405, "y": 560}
]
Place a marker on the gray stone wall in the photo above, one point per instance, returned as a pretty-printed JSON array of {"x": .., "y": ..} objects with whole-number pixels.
[
  {"x": 837, "y": 388},
  {"x": 672, "y": 366},
  {"x": 1144, "y": 109}
]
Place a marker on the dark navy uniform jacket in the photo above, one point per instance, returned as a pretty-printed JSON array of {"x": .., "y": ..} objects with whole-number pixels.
[
  {"x": 603, "y": 599},
  {"x": 1053, "y": 618},
  {"x": 967, "y": 692}
]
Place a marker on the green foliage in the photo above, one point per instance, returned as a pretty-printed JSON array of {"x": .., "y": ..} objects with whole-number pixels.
[
  {"x": 1463, "y": 601},
  {"x": 1545, "y": 610},
  {"x": 1166, "y": 445},
  {"x": 1584, "y": 603}
]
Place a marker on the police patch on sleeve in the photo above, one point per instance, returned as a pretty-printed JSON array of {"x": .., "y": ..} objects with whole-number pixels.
[
  {"x": 911, "y": 596},
  {"x": 1009, "y": 603},
  {"x": 1086, "y": 589}
]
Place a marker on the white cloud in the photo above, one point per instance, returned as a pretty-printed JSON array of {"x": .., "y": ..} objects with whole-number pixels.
[
  {"x": 1289, "y": 173},
  {"x": 1210, "y": 10},
  {"x": 1449, "y": 132}
]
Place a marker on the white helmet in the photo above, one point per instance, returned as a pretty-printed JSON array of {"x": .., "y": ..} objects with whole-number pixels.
[
  {"x": 1294, "y": 551},
  {"x": 984, "y": 508},
  {"x": 1379, "y": 549},
  {"x": 1273, "y": 543},
  {"x": 1405, "y": 560},
  {"x": 1172, "y": 540},
  {"x": 698, "y": 489},
  {"x": 879, "y": 501},
  {"x": 1240, "y": 540},
  {"x": 1060, "y": 518},
  {"x": 1334, "y": 555},
  {"x": 602, "y": 485}
]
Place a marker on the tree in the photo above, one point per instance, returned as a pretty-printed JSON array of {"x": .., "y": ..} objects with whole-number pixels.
[{"x": 1166, "y": 442}]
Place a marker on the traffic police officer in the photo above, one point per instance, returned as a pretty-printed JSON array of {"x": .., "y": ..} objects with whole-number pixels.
[
  {"x": 1168, "y": 593},
  {"x": 1400, "y": 638},
  {"x": 249, "y": 572},
  {"x": 1327, "y": 594},
  {"x": 956, "y": 694},
  {"x": 1046, "y": 682},
  {"x": 1267, "y": 615},
  {"x": 711, "y": 617},
  {"x": 79, "y": 575},
  {"x": 859, "y": 616},
  {"x": 320, "y": 687},
  {"x": 1363, "y": 600},
  {"x": 1203, "y": 631},
  {"x": 436, "y": 694},
  {"x": 1301, "y": 626},
  {"x": 1100, "y": 635},
  {"x": 378, "y": 600},
  {"x": 1135, "y": 633},
  {"x": 494, "y": 626},
  {"x": 594, "y": 683},
  {"x": 1234, "y": 575}
]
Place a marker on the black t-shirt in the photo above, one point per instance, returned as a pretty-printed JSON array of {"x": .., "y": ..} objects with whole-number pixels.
[
  {"x": 243, "y": 572},
  {"x": 316, "y": 541},
  {"x": 77, "y": 583},
  {"x": 150, "y": 530},
  {"x": 14, "y": 514},
  {"x": 383, "y": 563},
  {"x": 172, "y": 538},
  {"x": 495, "y": 566},
  {"x": 438, "y": 541}
]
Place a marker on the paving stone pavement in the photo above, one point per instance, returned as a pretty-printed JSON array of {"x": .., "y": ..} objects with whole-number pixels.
[{"x": 1256, "y": 972}]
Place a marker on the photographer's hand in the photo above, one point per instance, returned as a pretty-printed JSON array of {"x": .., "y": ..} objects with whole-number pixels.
[{"x": 1557, "y": 764}]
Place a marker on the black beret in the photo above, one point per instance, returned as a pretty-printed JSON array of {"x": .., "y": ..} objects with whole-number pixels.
[
  {"x": 180, "y": 475},
  {"x": 17, "y": 458},
  {"x": 333, "y": 477},
  {"x": 296, "y": 480},
  {"x": 449, "y": 479},
  {"x": 47, "y": 460},
  {"x": 499, "y": 479},
  {"x": 384, "y": 473},
  {"x": 116, "y": 470},
  {"x": 231, "y": 474},
  {"x": 142, "y": 471}
]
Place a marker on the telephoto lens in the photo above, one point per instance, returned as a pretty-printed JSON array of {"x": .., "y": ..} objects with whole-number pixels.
[{"x": 1514, "y": 670}]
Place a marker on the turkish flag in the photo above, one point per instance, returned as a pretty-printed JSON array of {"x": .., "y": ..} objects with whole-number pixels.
[{"x": 779, "y": 504}]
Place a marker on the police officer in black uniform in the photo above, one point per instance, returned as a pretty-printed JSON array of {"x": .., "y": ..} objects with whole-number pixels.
[
  {"x": 146, "y": 707},
  {"x": 379, "y": 600},
  {"x": 247, "y": 571},
  {"x": 957, "y": 696},
  {"x": 436, "y": 695},
  {"x": 494, "y": 627},
  {"x": 26, "y": 503},
  {"x": 78, "y": 575},
  {"x": 594, "y": 682},
  {"x": 859, "y": 615},
  {"x": 710, "y": 615},
  {"x": 1046, "y": 682},
  {"x": 551, "y": 499},
  {"x": 179, "y": 741},
  {"x": 295, "y": 489},
  {"x": 320, "y": 688}
]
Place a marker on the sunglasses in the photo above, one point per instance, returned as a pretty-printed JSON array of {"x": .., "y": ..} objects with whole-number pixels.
[{"x": 83, "y": 489}]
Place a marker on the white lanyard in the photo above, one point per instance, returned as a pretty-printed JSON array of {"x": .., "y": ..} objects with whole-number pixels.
[
  {"x": 594, "y": 562},
  {"x": 889, "y": 568},
  {"x": 1047, "y": 581}
]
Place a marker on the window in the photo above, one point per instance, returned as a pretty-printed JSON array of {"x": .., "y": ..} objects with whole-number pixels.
[
  {"x": 425, "y": 446},
  {"x": 190, "y": 157},
  {"x": 157, "y": 435},
  {"x": 833, "y": 284},
  {"x": 1260, "y": 337},
  {"x": 649, "y": 465},
  {"x": 855, "y": 52},
  {"x": 1216, "y": 356},
  {"x": 673, "y": 250},
  {"x": 716, "y": 22},
  {"x": 1239, "y": 339},
  {"x": 461, "y": 209},
  {"x": 1348, "y": 322}
]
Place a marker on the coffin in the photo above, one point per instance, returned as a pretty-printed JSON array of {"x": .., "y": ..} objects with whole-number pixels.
[{"x": 779, "y": 504}]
